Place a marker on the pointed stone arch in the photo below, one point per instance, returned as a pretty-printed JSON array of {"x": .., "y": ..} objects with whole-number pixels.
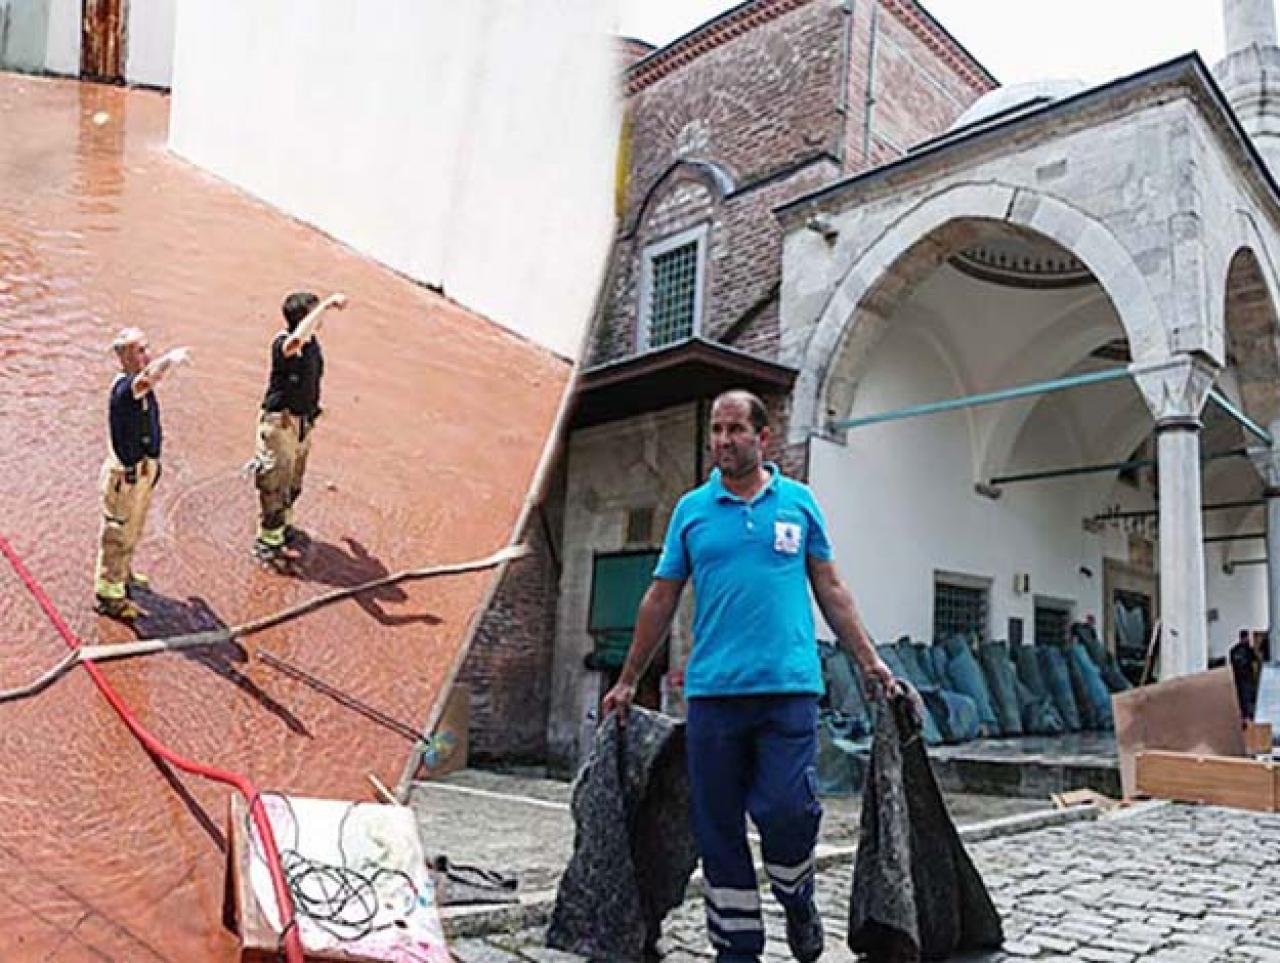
[{"x": 915, "y": 244}]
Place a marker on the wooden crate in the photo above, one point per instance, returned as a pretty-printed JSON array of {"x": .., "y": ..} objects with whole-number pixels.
[
  {"x": 241, "y": 913},
  {"x": 1156, "y": 717},
  {"x": 1257, "y": 737},
  {"x": 1213, "y": 780}
]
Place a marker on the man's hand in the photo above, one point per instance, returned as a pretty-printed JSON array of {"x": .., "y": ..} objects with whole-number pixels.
[
  {"x": 154, "y": 373},
  {"x": 618, "y": 699},
  {"x": 179, "y": 356},
  {"x": 876, "y": 674}
]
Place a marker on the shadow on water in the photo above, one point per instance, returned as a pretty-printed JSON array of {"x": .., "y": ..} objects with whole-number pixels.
[
  {"x": 198, "y": 812},
  {"x": 169, "y": 616},
  {"x": 327, "y": 564}
]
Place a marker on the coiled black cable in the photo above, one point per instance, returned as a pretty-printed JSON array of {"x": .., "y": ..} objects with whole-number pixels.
[{"x": 342, "y": 900}]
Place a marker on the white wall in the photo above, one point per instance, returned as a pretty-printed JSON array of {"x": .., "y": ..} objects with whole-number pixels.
[
  {"x": 901, "y": 506},
  {"x": 149, "y": 53},
  {"x": 465, "y": 144},
  {"x": 1240, "y": 598},
  {"x": 62, "y": 55},
  {"x": 24, "y": 29}
]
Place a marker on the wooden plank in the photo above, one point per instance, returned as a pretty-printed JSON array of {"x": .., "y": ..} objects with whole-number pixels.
[
  {"x": 1213, "y": 780},
  {"x": 1194, "y": 713}
]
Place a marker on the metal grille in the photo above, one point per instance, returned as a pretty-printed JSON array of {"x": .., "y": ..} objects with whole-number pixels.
[
  {"x": 673, "y": 294},
  {"x": 1052, "y": 624},
  {"x": 640, "y": 526},
  {"x": 958, "y": 609}
]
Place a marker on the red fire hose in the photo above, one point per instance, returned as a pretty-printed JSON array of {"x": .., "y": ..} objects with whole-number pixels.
[{"x": 292, "y": 941}]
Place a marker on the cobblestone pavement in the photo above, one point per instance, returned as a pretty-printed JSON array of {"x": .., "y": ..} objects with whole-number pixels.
[
  {"x": 1176, "y": 884},
  {"x": 486, "y": 819}
]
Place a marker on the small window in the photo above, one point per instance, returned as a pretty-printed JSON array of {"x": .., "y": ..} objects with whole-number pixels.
[
  {"x": 671, "y": 289},
  {"x": 1053, "y": 621},
  {"x": 959, "y": 609},
  {"x": 618, "y": 582}
]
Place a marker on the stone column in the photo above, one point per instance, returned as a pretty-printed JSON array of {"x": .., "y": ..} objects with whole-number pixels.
[
  {"x": 1176, "y": 395},
  {"x": 1267, "y": 462}
]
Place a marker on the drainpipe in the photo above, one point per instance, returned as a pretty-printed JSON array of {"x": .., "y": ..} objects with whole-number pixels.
[
  {"x": 869, "y": 104},
  {"x": 842, "y": 104},
  {"x": 701, "y": 413}
]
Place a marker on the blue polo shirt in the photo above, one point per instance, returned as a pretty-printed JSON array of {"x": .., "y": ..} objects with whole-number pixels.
[{"x": 753, "y": 625}]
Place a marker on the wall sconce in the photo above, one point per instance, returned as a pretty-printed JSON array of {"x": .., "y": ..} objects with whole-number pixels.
[{"x": 822, "y": 224}]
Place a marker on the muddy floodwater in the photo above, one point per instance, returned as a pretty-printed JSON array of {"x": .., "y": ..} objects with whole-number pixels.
[{"x": 434, "y": 423}]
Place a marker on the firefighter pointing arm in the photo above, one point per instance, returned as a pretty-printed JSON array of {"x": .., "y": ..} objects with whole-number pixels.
[{"x": 308, "y": 326}]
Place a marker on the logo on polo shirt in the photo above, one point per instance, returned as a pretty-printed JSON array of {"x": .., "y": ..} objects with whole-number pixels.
[{"x": 786, "y": 537}]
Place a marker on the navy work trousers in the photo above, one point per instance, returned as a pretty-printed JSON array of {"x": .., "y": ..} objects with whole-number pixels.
[{"x": 756, "y": 755}]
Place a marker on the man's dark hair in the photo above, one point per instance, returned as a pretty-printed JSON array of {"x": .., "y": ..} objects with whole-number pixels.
[
  {"x": 297, "y": 306},
  {"x": 756, "y": 410}
]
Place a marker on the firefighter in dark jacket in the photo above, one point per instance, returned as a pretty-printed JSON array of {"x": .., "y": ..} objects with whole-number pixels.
[
  {"x": 286, "y": 422},
  {"x": 130, "y": 472},
  {"x": 754, "y": 542}
]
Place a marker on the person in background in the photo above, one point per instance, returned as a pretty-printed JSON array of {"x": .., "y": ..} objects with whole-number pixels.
[{"x": 1246, "y": 662}]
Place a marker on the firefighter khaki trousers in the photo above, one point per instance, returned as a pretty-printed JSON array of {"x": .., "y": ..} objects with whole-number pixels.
[
  {"x": 124, "y": 512},
  {"x": 283, "y": 444}
]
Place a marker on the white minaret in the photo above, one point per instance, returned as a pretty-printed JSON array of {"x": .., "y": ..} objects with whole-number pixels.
[
  {"x": 1250, "y": 73},
  {"x": 1249, "y": 23}
]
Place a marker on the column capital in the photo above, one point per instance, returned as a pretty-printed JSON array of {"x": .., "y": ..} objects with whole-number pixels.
[{"x": 1175, "y": 390}]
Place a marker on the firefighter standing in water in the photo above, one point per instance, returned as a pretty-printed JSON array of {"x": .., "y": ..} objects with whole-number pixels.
[
  {"x": 289, "y": 411},
  {"x": 130, "y": 472}
]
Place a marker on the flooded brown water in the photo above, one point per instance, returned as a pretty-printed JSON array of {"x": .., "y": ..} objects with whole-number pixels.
[{"x": 435, "y": 420}]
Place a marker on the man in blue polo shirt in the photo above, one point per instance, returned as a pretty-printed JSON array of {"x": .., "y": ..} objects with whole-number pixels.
[{"x": 753, "y": 542}]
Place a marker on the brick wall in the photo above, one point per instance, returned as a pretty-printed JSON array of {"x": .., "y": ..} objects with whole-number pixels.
[
  {"x": 754, "y": 104},
  {"x": 918, "y": 92},
  {"x": 757, "y": 107},
  {"x": 764, "y": 107},
  {"x": 508, "y": 667}
]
